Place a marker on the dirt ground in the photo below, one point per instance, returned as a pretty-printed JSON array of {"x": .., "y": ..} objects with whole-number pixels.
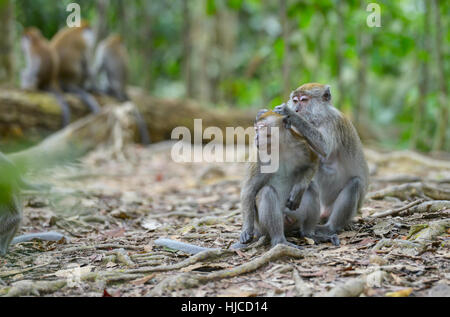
[{"x": 112, "y": 210}]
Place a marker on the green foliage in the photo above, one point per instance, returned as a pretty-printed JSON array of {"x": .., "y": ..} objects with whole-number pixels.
[{"x": 237, "y": 52}]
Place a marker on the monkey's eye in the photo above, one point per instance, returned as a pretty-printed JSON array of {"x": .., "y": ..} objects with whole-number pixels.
[
  {"x": 304, "y": 99},
  {"x": 295, "y": 99}
]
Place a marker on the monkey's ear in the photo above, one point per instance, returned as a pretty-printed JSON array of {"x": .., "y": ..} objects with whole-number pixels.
[{"x": 327, "y": 93}]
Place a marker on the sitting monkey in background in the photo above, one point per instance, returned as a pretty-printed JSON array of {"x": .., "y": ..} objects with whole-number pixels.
[
  {"x": 42, "y": 67},
  {"x": 111, "y": 69},
  {"x": 343, "y": 176},
  {"x": 74, "y": 47}
]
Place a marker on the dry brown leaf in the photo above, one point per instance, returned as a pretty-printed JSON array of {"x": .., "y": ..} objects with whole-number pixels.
[{"x": 401, "y": 293}]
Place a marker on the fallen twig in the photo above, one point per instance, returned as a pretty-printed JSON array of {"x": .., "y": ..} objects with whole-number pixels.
[{"x": 391, "y": 212}]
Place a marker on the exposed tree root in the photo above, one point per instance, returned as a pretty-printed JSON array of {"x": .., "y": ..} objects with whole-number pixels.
[
  {"x": 406, "y": 191},
  {"x": 382, "y": 158},
  {"x": 37, "y": 288},
  {"x": 100, "y": 246},
  {"x": 189, "y": 280},
  {"x": 302, "y": 288},
  {"x": 397, "y": 243},
  {"x": 430, "y": 206},
  {"x": 431, "y": 231},
  {"x": 419, "y": 237},
  {"x": 351, "y": 288},
  {"x": 199, "y": 257}
]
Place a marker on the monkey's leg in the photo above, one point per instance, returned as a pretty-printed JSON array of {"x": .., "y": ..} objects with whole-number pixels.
[
  {"x": 310, "y": 210},
  {"x": 271, "y": 218},
  {"x": 87, "y": 99},
  {"x": 344, "y": 208}
]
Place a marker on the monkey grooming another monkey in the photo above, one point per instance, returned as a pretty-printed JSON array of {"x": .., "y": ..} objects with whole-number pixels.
[
  {"x": 264, "y": 195},
  {"x": 343, "y": 176},
  {"x": 42, "y": 68},
  {"x": 111, "y": 60},
  {"x": 74, "y": 49}
]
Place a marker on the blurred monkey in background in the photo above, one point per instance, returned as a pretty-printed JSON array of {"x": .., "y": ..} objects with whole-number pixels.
[
  {"x": 42, "y": 67},
  {"x": 111, "y": 69}
]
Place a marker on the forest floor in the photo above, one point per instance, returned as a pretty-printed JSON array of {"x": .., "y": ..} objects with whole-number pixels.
[{"x": 112, "y": 210}]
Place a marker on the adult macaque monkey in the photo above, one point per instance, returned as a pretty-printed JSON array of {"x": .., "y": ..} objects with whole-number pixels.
[
  {"x": 111, "y": 65},
  {"x": 342, "y": 177},
  {"x": 74, "y": 47},
  {"x": 42, "y": 68},
  {"x": 111, "y": 61}
]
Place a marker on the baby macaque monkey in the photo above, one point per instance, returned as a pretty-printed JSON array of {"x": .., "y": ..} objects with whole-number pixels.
[
  {"x": 42, "y": 68},
  {"x": 264, "y": 195},
  {"x": 342, "y": 177}
]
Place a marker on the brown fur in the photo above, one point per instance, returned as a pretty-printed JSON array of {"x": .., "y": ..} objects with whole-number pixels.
[
  {"x": 71, "y": 48},
  {"x": 40, "y": 47}
]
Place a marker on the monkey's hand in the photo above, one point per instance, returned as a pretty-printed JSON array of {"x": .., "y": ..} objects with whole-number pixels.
[
  {"x": 246, "y": 236},
  {"x": 281, "y": 109},
  {"x": 293, "y": 202},
  {"x": 287, "y": 122}
]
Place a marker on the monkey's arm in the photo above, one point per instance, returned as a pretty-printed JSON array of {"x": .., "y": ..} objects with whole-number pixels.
[
  {"x": 295, "y": 197},
  {"x": 313, "y": 136},
  {"x": 181, "y": 246}
]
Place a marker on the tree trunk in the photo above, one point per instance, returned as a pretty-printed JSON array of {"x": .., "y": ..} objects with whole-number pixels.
[
  {"x": 187, "y": 47},
  {"x": 6, "y": 41},
  {"x": 286, "y": 56},
  {"x": 419, "y": 112},
  {"x": 340, "y": 33},
  {"x": 439, "y": 138}
]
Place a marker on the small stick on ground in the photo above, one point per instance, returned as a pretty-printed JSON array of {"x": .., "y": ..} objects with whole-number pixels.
[{"x": 391, "y": 212}]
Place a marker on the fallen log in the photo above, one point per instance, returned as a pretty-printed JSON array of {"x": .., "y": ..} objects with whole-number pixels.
[{"x": 34, "y": 115}]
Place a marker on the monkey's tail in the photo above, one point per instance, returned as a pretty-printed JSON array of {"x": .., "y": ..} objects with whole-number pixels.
[
  {"x": 142, "y": 126},
  {"x": 87, "y": 98},
  {"x": 181, "y": 246},
  {"x": 65, "y": 109}
]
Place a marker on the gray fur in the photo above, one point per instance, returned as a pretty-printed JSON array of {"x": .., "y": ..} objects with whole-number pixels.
[{"x": 343, "y": 175}]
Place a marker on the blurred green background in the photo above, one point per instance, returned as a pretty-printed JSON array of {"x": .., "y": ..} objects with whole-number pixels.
[{"x": 391, "y": 80}]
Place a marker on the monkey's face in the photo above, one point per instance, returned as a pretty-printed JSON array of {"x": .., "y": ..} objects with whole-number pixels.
[{"x": 309, "y": 98}]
